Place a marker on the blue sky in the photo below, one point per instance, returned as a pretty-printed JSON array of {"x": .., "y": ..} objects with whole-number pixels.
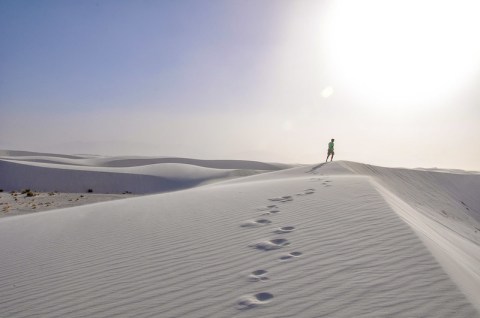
[
  {"x": 395, "y": 82},
  {"x": 81, "y": 55}
]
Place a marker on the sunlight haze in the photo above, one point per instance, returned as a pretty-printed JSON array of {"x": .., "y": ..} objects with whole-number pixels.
[{"x": 394, "y": 82}]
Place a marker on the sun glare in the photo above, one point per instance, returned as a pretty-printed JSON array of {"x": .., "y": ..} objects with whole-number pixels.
[
  {"x": 327, "y": 92},
  {"x": 408, "y": 51}
]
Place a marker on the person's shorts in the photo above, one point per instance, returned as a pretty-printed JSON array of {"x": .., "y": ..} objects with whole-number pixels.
[{"x": 331, "y": 152}]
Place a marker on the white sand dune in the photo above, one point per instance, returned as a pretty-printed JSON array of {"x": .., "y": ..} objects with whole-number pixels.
[
  {"x": 118, "y": 174},
  {"x": 335, "y": 240},
  {"x": 133, "y": 161}
]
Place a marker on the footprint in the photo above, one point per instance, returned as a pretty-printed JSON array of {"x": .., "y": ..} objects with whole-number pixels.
[
  {"x": 285, "y": 198},
  {"x": 290, "y": 255},
  {"x": 252, "y": 301},
  {"x": 466, "y": 206},
  {"x": 271, "y": 244},
  {"x": 284, "y": 229},
  {"x": 268, "y": 207},
  {"x": 255, "y": 223},
  {"x": 258, "y": 275},
  {"x": 307, "y": 191},
  {"x": 273, "y": 211}
]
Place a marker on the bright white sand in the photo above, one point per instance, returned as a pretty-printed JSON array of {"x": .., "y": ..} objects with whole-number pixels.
[{"x": 335, "y": 240}]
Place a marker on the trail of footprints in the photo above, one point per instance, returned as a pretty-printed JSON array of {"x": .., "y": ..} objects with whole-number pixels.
[
  {"x": 325, "y": 183},
  {"x": 261, "y": 275}
]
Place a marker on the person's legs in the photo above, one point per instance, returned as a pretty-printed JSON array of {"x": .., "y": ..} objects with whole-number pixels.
[
  {"x": 333, "y": 154},
  {"x": 329, "y": 153}
]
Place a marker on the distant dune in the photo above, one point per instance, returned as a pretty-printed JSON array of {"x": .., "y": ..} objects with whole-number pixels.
[
  {"x": 19, "y": 153},
  {"x": 340, "y": 239},
  {"x": 47, "y": 172}
]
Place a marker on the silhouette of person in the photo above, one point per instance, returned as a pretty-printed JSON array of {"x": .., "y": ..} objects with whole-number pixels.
[{"x": 330, "y": 150}]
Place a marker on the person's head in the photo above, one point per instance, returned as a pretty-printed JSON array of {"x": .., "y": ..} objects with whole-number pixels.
[{"x": 333, "y": 140}]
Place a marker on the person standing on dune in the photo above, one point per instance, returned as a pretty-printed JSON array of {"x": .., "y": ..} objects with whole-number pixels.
[{"x": 330, "y": 150}]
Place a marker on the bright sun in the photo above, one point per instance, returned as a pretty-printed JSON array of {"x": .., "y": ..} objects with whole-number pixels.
[{"x": 407, "y": 51}]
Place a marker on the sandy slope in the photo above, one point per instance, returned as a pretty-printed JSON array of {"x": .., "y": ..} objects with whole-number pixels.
[
  {"x": 320, "y": 241},
  {"x": 451, "y": 199}
]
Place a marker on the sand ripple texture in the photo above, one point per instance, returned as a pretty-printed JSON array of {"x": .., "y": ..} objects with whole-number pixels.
[{"x": 340, "y": 251}]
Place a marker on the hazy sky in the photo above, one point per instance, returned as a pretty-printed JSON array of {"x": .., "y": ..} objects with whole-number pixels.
[{"x": 396, "y": 83}]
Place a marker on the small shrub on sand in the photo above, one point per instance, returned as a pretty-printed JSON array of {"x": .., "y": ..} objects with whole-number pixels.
[
  {"x": 89, "y": 190},
  {"x": 30, "y": 194},
  {"x": 25, "y": 191}
]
